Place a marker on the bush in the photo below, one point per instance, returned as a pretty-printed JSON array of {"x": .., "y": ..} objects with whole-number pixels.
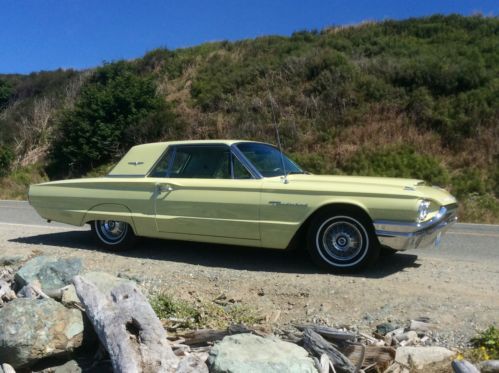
[
  {"x": 5, "y": 93},
  {"x": 6, "y": 158},
  {"x": 116, "y": 109},
  {"x": 397, "y": 162}
]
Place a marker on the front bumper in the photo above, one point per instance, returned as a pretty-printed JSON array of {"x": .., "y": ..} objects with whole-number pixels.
[{"x": 403, "y": 235}]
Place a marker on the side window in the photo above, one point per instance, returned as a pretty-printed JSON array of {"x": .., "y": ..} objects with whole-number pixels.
[
  {"x": 203, "y": 162},
  {"x": 161, "y": 168},
  {"x": 240, "y": 172}
]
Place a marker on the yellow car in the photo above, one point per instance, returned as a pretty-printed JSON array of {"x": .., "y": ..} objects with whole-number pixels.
[{"x": 248, "y": 193}]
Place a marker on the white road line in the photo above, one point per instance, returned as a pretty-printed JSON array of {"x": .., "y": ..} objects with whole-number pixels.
[{"x": 41, "y": 226}]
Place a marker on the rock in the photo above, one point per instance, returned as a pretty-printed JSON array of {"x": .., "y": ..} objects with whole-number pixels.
[
  {"x": 489, "y": 366},
  {"x": 69, "y": 297},
  {"x": 408, "y": 338},
  {"x": 385, "y": 328},
  {"x": 421, "y": 357},
  {"x": 70, "y": 367},
  {"x": 247, "y": 353},
  {"x": 52, "y": 273},
  {"x": 422, "y": 326},
  {"x": 32, "y": 329},
  {"x": 463, "y": 366},
  {"x": 104, "y": 281}
]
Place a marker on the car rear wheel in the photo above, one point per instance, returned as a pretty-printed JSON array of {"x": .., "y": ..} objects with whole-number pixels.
[
  {"x": 342, "y": 241},
  {"x": 113, "y": 234}
]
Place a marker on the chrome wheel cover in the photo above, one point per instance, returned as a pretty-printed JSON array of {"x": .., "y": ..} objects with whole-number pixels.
[
  {"x": 111, "y": 232},
  {"x": 342, "y": 241}
]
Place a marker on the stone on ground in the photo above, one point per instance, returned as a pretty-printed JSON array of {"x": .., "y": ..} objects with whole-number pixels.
[
  {"x": 52, "y": 273},
  {"x": 420, "y": 358},
  {"x": 248, "y": 353},
  {"x": 32, "y": 329}
]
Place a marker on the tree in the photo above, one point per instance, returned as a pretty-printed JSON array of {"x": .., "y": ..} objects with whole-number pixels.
[{"x": 116, "y": 109}]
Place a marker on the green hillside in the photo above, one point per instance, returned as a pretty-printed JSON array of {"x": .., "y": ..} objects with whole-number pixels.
[{"x": 414, "y": 98}]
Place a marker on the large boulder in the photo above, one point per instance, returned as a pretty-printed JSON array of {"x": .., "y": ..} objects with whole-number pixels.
[
  {"x": 31, "y": 329},
  {"x": 422, "y": 358},
  {"x": 248, "y": 353},
  {"x": 52, "y": 273}
]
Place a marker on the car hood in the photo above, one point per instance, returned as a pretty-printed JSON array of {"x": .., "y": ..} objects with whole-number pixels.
[{"x": 374, "y": 185}]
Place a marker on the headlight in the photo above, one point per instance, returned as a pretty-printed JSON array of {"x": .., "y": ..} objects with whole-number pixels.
[{"x": 423, "y": 209}]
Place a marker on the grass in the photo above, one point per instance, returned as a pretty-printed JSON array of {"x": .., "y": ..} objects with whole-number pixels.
[
  {"x": 485, "y": 346},
  {"x": 16, "y": 184},
  {"x": 202, "y": 314}
]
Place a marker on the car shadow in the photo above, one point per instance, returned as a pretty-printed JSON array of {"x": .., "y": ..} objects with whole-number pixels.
[{"x": 216, "y": 255}]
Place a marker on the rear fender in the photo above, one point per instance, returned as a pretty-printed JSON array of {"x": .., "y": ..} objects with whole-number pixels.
[{"x": 109, "y": 211}]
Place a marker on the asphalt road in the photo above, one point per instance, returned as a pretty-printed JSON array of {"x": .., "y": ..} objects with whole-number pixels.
[{"x": 473, "y": 242}]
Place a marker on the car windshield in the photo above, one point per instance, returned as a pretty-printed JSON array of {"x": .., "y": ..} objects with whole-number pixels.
[{"x": 267, "y": 159}]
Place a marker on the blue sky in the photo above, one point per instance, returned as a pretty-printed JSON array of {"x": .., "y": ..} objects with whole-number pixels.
[{"x": 48, "y": 34}]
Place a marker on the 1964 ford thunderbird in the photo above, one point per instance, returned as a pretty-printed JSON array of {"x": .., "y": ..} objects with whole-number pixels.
[{"x": 248, "y": 193}]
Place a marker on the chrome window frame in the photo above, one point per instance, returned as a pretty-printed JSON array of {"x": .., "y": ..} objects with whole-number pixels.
[{"x": 233, "y": 152}]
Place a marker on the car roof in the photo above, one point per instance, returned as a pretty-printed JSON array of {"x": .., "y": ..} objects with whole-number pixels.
[{"x": 200, "y": 142}]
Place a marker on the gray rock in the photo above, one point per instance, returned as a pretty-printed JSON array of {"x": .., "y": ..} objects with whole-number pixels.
[
  {"x": 32, "y": 329},
  {"x": 490, "y": 366},
  {"x": 248, "y": 353},
  {"x": 421, "y": 357},
  {"x": 385, "y": 328},
  {"x": 104, "y": 281},
  {"x": 70, "y": 367},
  {"x": 52, "y": 273},
  {"x": 69, "y": 297}
]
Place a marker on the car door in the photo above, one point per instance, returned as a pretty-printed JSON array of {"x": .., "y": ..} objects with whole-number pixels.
[{"x": 207, "y": 192}]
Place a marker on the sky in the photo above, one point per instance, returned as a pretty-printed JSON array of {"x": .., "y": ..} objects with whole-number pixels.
[{"x": 49, "y": 34}]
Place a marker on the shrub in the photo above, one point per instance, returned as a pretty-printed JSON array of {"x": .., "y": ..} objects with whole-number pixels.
[
  {"x": 397, "y": 162},
  {"x": 115, "y": 110},
  {"x": 6, "y": 158}
]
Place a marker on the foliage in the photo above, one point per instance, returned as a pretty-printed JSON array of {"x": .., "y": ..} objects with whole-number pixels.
[
  {"x": 479, "y": 208},
  {"x": 6, "y": 158},
  {"x": 5, "y": 93},
  {"x": 116, "y": 110},
  {"x": 397, "y": 162},
  {"x": 202, "y": 314},
  {"x": 485, "y": 345},
  {"x": 16, "y": 184}
]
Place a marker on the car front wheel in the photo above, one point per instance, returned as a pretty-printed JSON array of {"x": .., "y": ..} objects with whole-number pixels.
[
  {"x": 113, "y": 234},
  {"x": 342, "y": 241}
]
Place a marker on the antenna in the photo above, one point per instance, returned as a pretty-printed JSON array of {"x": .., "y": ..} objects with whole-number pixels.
[{"x": 283, "y": 164}]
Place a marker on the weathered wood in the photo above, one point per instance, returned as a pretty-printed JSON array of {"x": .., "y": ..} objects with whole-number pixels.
[
  {"x": 129, "y": 329},
  {"x": 328, "y": 332},
  {"x": 205, "y": 336},
  {"x": 363, "y": 356},
  {"x": 7, "y": 368},
  {"x": 316, "y": 345},
  {"x": 6, "y": 292}
]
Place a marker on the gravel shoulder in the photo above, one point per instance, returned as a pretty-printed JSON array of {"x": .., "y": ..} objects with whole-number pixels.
[{"x": 458, "y": 292}]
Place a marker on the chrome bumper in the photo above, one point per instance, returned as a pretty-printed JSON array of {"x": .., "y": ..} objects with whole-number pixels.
[{"x": 403, "y": 235}]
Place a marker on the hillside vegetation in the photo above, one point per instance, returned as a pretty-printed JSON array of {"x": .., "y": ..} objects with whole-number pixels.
[{"x": 415, "y": 98}]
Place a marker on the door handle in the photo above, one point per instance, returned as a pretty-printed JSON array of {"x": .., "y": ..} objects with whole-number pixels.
[{"x": 164, "y": 188}]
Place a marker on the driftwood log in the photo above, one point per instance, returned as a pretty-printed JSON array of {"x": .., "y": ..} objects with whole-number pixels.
[
  {"x": 370, "y": 355},
  {"x": 328, "y": 332},
  {"x": 317, "y": 346},
  {"x": 202, "y": 337},
  {"x": 130, "y": 330}
]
